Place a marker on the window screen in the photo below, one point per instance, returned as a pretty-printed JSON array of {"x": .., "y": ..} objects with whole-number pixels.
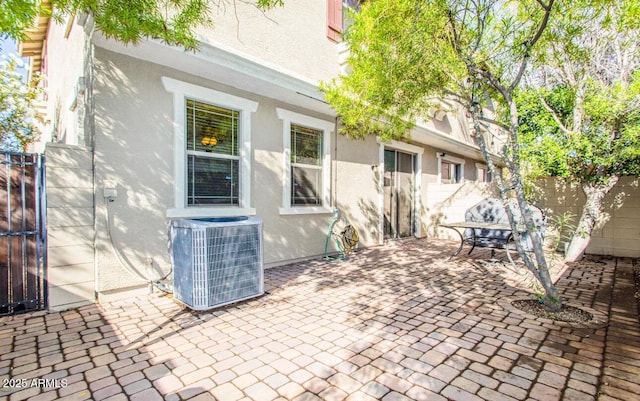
[{"x": 306, "y": 166}]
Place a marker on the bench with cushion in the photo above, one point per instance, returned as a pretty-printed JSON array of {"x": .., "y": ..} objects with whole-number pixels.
[{"x": 492, "y": 211}]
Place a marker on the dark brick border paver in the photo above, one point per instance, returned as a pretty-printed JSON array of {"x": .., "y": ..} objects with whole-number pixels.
[{"x": 393, "y": 323}]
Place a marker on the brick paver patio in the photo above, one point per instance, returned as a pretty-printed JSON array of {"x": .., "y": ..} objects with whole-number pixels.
[{"x": 393, "y": 323}]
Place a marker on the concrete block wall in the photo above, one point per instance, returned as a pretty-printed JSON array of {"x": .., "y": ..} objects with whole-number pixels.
[{"x": 617, "y": 232}]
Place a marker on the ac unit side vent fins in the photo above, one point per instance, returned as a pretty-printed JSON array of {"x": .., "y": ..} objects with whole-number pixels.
[{"x": 217, "y": 261}]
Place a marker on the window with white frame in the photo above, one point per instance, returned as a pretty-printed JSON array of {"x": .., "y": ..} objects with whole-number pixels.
[
  {"x": 306, "y": 166},
  {"x": 450, "y": 169},
  {"x": 482, "y": 173},
  {"x": 306, "y": 163},
  {"x": 212, "y": 152}
]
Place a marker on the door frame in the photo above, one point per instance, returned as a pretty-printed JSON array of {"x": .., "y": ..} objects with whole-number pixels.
[{"x": 417, "y": 153}]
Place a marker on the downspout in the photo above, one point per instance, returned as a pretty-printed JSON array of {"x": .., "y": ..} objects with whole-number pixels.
[
  {"x": 84, "y": 20},
  {"x": 92, "y": 135},
  {"x": 334, "y": 171}
]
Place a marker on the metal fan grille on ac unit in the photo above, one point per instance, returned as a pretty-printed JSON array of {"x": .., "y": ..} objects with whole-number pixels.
[{"x": 224, "y": 265}]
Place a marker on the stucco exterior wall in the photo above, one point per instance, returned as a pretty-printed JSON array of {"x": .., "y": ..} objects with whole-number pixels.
[
  {"x": 66, "y": 58},
  {"x": 292, "y": 37},
  {"x": 356, "y": 186},
  {"x": 617, "y": 232},
  {"x": 134, "y": 155},
  {"x": 448, "y": 202}
]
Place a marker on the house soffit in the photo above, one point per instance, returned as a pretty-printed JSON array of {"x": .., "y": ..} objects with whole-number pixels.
[
  {"x": 230, "y": 68},
  {"x": 32, "y": 45},
  {"x": 442, "y": 141}
]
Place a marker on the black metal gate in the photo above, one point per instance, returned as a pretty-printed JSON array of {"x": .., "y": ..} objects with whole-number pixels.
[{"x": 22, "y": 233}]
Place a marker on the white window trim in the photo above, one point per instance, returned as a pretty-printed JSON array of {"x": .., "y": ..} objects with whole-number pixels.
[
  {"x": 289, "y": 117},
  {"x": 181, "y": 91},
  {"x": 452, "y": 159},
  {"x": 480, "y": 166}
]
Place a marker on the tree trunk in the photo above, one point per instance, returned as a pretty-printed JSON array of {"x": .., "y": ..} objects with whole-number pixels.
[
  {"x": 537, "y": 265},
  {"x": 594, "y": 193}
]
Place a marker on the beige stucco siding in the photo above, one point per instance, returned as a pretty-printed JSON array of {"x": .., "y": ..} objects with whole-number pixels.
[
  {"x": 135, "y": 155},
  {"x": 356, "y": 186},
  {"x": 66, "y": 58},
  {"x": 292, "y": 37}
]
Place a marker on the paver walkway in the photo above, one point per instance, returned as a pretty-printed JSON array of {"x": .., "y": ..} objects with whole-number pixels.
[{"x": 393, "y": 323}]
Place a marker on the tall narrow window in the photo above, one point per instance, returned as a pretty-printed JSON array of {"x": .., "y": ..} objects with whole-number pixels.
[
  {"x": 446, "y": 171},
  {"x": 306, "y": 163},
  {"x": 212, "y": 154},
  {"x": 306, "y": 166}
]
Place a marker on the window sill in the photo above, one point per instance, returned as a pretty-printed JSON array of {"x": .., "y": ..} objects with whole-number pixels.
[
  {"x": 202, "y": 212},
  {"x": 305, "y": 210}
]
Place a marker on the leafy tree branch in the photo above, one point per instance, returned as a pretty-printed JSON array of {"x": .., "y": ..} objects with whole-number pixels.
[
  {"x": 581, "y": 119},
  {"x": 405, "y": 53},
  {"x": 171, "y": 21},
  {"x": 17, "y": 111}
]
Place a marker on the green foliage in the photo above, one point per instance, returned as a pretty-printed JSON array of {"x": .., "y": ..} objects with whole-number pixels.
[
  {"x": 171, "y": 21},
  {"x": 401, "y": 60},
  {"x": 608, "y": 143},
  {"x": 544, "y": 146},
  {"x": 582, "y": 119},
  {"x": 17, "y": 113},
  {"x": 18, "y": 15},
  {"x": 266, "y": 4},
  {"x": 565, "y": 226},
  {"x": 407, "y": 55}
]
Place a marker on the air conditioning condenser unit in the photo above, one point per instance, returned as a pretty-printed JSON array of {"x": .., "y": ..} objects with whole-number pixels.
[{"x": 216, "y": 261}]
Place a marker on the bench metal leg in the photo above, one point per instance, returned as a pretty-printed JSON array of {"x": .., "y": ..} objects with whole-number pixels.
[
  {"x": 473, "y": 246},
  {"x": 459, "y": 248},
  {"x": 506, "y": 248}
]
